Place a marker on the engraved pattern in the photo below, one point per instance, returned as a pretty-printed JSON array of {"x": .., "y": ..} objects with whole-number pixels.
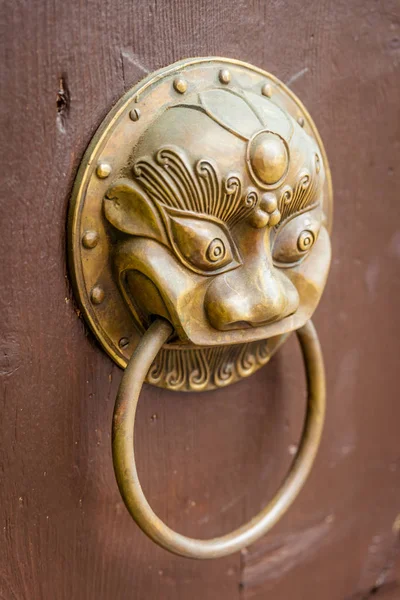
[
  {"x": 206, "y": 368},
  {"x": 304, "y": 194},
  {"x": 150, "y": 176},
  {"x": 170, "y": 180}
]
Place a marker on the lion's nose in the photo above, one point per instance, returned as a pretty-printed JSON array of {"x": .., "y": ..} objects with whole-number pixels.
[{"x": 254, "y": 296}]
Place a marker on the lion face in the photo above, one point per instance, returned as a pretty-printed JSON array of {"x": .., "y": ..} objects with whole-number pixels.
[{"x": 220, "y": 222}]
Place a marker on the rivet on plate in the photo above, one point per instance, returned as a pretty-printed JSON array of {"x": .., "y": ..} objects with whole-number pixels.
[
  {"x": 103, "y": 170},
  {"x": 123, "y": 342},
  {"x": 224, "y": 76},
  {"x": 135, "y": 114},
  {"x": 97, "y": 295},
  {"x": 90, "y": 239},
  {"x": 180, "y": 85},
  {"x": 300, "y": 121},
  {"x": 266, "y": 90}
]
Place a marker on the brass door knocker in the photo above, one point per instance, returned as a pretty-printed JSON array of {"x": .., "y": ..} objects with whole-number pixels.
[{"x": 198, "y": 240}]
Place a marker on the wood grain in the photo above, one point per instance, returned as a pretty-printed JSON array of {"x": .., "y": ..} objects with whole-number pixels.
[{"x": 207, "y": 461}]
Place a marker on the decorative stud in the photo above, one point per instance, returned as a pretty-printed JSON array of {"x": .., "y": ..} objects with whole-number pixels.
[
  {"x": 259, "y": 219},
  {"x": 274, "y": 218},
  {"x": 267, "y": 212},
  {"x": 135, "y": 114},
  {"x": 97, "y": 295},
  {"x": 180, "y": 85},
  {"x": 103, "y": 170},
  {"x": 90, "y": 239},
  {"x": 123, "y": 342},
  {"x": 269, "y": 203},
  {"x": 224, "y": 76},
  {"x": 300, "y": 121},
  {"x": 266, "y": 90},
  {"x": 268, "y": 157}
]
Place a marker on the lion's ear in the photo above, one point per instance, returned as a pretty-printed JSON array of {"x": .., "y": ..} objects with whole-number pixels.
[{"x": 128, "y": 209}]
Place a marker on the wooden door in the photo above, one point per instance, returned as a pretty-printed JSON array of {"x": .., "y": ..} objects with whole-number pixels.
[{"x": 207, "y": 461}]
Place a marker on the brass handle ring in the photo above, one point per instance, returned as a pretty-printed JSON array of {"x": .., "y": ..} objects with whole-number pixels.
[{"x": 124, "y": 458}]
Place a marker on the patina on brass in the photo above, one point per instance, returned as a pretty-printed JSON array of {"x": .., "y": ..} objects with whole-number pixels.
[
  {"x": 124, "y": 456},
  {"x": 205, "y": 199},
  {"x": 199, "y": 239}
]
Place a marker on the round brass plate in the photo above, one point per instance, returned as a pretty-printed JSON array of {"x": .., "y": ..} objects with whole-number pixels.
[{"x": 177, "y": 366}]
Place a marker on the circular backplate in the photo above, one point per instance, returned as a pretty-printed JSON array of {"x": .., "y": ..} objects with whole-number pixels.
[{"x": 177, "y": 366}]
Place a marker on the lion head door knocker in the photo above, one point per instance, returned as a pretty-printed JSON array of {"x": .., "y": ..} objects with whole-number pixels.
[{"x": 199, "y": 239}]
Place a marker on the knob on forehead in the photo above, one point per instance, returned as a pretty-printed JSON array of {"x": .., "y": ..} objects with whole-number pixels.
[{"x": 268, "y": 157}]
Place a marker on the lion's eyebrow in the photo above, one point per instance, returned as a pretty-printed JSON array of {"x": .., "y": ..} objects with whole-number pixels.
[
  {"x": 303, "y": 195},
  {"x": 295, "y": 214},
  {"x": 171, "y": 180}
]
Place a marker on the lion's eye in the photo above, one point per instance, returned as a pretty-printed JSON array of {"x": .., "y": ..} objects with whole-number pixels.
[
  {"x": 216, "y": 251},
  {"x": 296, "y": 237},
  {"x": 305, "y": 241},
  {"x": 201, "y": 242}
]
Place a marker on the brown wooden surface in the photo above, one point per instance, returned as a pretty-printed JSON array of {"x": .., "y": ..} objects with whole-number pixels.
[{"x": 207, "y": 461}]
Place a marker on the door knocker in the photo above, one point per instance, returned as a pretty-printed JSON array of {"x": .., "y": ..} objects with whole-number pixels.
[{"x": 198, "y": 240}]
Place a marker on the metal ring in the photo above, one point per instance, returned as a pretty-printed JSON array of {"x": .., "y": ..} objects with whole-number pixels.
[{"x": 124, "y": 458}]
